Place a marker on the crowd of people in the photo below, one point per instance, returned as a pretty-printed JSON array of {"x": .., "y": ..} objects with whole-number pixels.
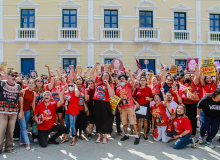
[{"x": 72, "y": 103}]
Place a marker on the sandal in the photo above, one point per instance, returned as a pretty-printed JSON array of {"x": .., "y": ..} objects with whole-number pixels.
[
  {"x": 21, "y": 144},
  {"x": 72, "y": 143},
  {"x": 145, "y": 137},
  {"x": 194, "y": 145},
  {"x": 218, "y": 140},
  {"x": 81, "y": 137},
  {"x": 28, "y": 148},
  {"x": 64, "y": 141},
  {"x": 120, "y": 134}
]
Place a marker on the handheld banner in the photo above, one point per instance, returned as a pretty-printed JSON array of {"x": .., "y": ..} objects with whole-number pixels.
[
  {"x": 173, "y": 69},
  {"x": 208, "y": 68},
  {"x": 114, "y": 100},
  {"x": 79, "y": 69},
  {"x": 88, "y": 72},
  {"x": 4, "y": 64},
  {"x": 191, "y": 64}
]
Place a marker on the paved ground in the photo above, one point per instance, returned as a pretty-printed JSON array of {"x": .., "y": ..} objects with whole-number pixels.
[{"x": 114, "y": 150}]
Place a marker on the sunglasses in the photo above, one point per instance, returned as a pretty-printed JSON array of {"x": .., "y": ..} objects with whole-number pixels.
[
  {"x": 14, "y": 75},
  {"x": 44, "y": 78},
  {"x": 70, "y": 85},
  {"x": 39, "y": 81},
  {"x": 169, "y": 79},
  {"x": 114, "y": 76}
]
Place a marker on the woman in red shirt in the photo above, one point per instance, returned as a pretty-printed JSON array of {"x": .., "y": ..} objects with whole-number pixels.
[
  {"x": 29, "y": 97},
  {"x": 103, "y": 114},
  {"x": 176, "y": 93},
  {"x": 72, "y": 111},
  {"x": 182, "y": 128},
  {"x": 143, "y": 96}
]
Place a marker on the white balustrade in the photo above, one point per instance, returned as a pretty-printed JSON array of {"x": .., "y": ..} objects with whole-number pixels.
[{"x": 147, "y": 34}]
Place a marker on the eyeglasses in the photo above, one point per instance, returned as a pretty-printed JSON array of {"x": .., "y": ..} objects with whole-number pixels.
[
  {"x": 70, "y": 85},
  {"x": 122, "y": 79},
  {"x": 44, "y": 78},
  {"x": 39, "y": 81},
  {"x": 13, "y": 75},
  {"x": 114, "y": 76},
  {"x": 169, "y": 79}
]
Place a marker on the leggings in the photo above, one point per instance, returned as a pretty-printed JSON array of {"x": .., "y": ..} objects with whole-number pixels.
[
  {"x": 70, "y": 123},
  {"x": 80, "y": 122}
]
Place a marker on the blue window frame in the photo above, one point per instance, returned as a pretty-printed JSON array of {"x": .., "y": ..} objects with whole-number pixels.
[
  {"x": 214, "y": 22},
  {"x": 69, "y": 18},
  {"x": 181, "y": 62},
  {"x": 150, "y": 66},
  {"x": 27, "y": 64},
  {"x": 108, "y": 60},
  {"x": 67, "y": 62},
  {"x": 179, "y": 21},
  {"x": 27, "y": 18},
  {"x": 146, "y": 19},
  {"x": 111, "y": 18}
]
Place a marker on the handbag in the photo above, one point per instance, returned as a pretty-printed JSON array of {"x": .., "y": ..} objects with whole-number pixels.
[
  {"x": 34, "y": 128},
  {"x": 170, "y": 126},
  {"x": 192, "y": 96}
]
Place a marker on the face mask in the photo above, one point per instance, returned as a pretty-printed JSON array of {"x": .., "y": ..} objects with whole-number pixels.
[
  {"x": 135, "y": 77},
  {"x": 45, "y": 80},
  {"x": 179, "y": 115},
  {"x": 71, "y": 88},
  {"x": 122, "y": 84},
  {"x": 20, "y": 83},
  {"x": 187, "y": 80}
]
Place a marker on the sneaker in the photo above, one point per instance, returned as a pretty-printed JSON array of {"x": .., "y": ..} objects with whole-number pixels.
[
  {"x": 124, "y": 138},
  {"x": 35, "y": 140},
  {"x": 210, "y": 145},
  {"x": 105, "y": 140},
  {"x": 89, "y": 136},
  {"x": 136, "y": 142},
  {"x": 201, "y": 139},
  {"x": 98, "y": 140},
  {"x": 16, "y": 139},
  {"x": 11, "y": 151}
]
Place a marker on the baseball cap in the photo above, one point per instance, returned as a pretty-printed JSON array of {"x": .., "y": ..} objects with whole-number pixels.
[{"x": 11, "y": 72}]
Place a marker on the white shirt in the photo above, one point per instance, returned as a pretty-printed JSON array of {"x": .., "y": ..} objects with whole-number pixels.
[{"x": 172, "y": 105}]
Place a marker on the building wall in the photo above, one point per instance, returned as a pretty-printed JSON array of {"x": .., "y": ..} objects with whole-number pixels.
[{"x": 48, "y": 18}]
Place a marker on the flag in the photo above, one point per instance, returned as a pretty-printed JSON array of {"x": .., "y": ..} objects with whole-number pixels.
[{"x": 138, "y": 64}]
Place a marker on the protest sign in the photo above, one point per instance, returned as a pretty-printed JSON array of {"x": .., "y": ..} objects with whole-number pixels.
[
  {"x": 8, "y": 69},
  {"x": 79, "y": 69},
  {"x": 33, "y": 74},
  {"x": 117, "y": 64},
  {"x": 88, "y": 72},
  {"x": 173, "y": 69},
  {"x": 4, "y": 64},
  {"x": 114, "y": 100},
  {"x": 208, "y": 68},
  {"x": 191, "y": 64}
]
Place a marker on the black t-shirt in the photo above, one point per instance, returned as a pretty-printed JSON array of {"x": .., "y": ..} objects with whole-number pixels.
[{"x": 209, "y": 107}]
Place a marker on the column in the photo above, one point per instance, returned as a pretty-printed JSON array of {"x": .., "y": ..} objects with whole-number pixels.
[{"x": 198, "y": 28}]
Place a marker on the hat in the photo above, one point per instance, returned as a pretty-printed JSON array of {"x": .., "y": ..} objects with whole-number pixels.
[
  {"x": 11, "y": 72},
  {"x": 181, "y": 75}
]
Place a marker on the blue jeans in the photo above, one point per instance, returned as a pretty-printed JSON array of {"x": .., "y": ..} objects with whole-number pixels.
[
  {"x": 182, "y": 141},
  {"x": 23, "y": 125},
  {"x": 70, "y": 123},
  {"x": 210, "y": 125}
]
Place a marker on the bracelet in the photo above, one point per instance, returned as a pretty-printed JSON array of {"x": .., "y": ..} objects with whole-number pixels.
[{"x": 180, "y": 135}]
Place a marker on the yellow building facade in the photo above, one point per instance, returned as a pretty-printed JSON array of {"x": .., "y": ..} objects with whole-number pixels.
[{"x": 38, "y": 32}]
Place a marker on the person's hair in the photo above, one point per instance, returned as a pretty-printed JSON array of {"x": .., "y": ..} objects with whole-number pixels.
[
  {"x": 46, "y": 93},
  {"x": 140, "y": 80},
  {"x": 30, "y": 80},
  {"x": 123, "y": 75},
  {"x": 206, "y": 78},
  {"x": 109, "y": 76},
  {"x": 87, "y": 82},
  {"x": 215, "y": 93},
  {"x": 177, "y": 85},
  {"x": 42, "y": 88},
  {"x": 156, "y": 76},
  {"x": 66, "y": 77},
  {"x": 175, "y": 111},
  {"x": 168, "y": 75},
  {"x": 55, "y": 79},
  {"x": 156, "y": 95},
  {"x": 82, "y": 79},
  {"x": 168, "y": 92}
]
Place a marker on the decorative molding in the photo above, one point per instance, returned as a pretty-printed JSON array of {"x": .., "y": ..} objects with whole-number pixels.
[
  {"x": 214, "y": 52},
  {"x": 147, "y": 49},
  {"x": 214, "y": 9},
  {"x": 27, "y": 4},
  {"x": 77, "y": 54},
  {"x": 153, "y": 6},
  {"x": 69, "y": 4},
  {"x": 179, "y": 7},
  {"x": 110, "y": 4},
  {"x": 174, "y": 56},
  {"x": 105, "y": 55},
  {"x": 19, "y": 54}
]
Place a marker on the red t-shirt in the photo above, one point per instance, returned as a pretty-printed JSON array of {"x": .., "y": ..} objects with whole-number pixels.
[
  {"x": 141, "y": 94},
  {"x": 175, "y": 99},
  {"x": 101, "y": 91},
  {"x": 48, "y": 114},
  {"x": 181, "y": 125},
  {"x": 125, "y": 93},
  {"x": 184, "y": 95},
  {"x": 55, "y": 95},
  {"x": 82, "y": 100},
  {"x": 155, "y": 89},
  {"x": 209, "y": 88},
  {"x": 160, "y": 115},
  {"x": 46, "y": 87},
  {"x": 71, "y": 103}
]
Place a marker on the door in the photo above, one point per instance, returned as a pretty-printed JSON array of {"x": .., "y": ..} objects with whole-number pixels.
[
  {"x": 148, "y": 64},
  {"x": 27, "y": 64}
]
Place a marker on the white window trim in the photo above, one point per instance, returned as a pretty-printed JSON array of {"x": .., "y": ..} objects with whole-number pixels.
[
  {"x": 19, "y": 54},
  {"x": 174, "y": 56},
  {"x": 114, "y": 6},
  {"x": 67, "y": 5},
  {"x": 24, "y": 5},
  {"x": 214, "y": 9},
  {"x": 214, "y": 52},
  {"x": 176, "y": 8},
  {"x": 138, "y": 7},
  {"x": 105, "y": 55}
]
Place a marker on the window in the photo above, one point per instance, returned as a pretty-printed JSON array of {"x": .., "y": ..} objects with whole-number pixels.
[
  {"x": 69, "y": 18},
  {"x": 179, "y": 21},
  {"x": 67, "y": 62},
  {"x": 214, "y": 22},
  {"x": 111, "y": 19},
  {"x": 146, "y": 19},
  {"x": 148, "y": 64},
  {"x": 108, "y": 61},
  {"x": 27, "y": 64},
  {"x": 27, "y": 18},
  {"x": 181, "y": 62}
]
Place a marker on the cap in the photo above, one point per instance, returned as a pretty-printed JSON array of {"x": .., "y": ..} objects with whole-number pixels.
[
  {"x": 181, "y": 75},
  {"x": 11, "y": 72}
]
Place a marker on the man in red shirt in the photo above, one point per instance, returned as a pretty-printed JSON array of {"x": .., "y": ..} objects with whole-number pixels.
[
  {"x": 45, "y": 118},
  {"x": 126, "y": 105}
]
